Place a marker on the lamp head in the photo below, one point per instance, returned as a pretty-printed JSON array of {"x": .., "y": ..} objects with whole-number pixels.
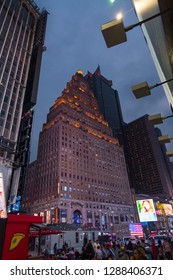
[
  {"x": 114, "y": 32},
  {"x": 141, "y": 90},
  {"x": 169, "y": 153},
  {"x": 155, "y": 119}
]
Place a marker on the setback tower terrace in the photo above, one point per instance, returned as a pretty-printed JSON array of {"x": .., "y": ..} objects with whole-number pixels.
[{"x": 80, "y": 174}]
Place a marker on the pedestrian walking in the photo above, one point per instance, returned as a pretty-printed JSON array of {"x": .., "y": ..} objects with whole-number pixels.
[
  {"x": 90, "y": 250},
  {"x": 105, "y": 251},
  {"x": 98, "y": 253},
  {"x": 55, "y": 249},
  {"x": 115, "y": 249},
  {"x": 154, "y": 250},
  {"x": 95, "y": 245},
  {"x": 123, "y": 255},
  {"x": 46, "y": 254},
  {"x": 140, "y": 252},
  {"x": 160, "y": 250},
  {"x": 130, "y": 246},
  {"x": 167, "y": 249},
  {"x": 84, "y": 255},
  {"x": 77, "y": 255}
]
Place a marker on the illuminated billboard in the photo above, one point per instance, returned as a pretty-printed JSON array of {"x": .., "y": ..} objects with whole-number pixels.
[
  {"x": 168, "y": 209},
  {"x": 3, "y": 212},
  {"x": 136, "y": 230},
  {"x": 146, "y": 210},
  {"x": 164, "y": 209}
]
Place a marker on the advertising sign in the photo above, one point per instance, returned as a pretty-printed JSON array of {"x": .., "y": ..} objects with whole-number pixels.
[
  {"x": 14, "y": 186},
  {"x": 3, "y": 211},
  {"x": 146, "y": 210},
  {"x": 16, "y": 239},
  {"x": 164, "y": 209},
  {"x": 168, "y": 209},
  {"x": 136, "y": 230}
]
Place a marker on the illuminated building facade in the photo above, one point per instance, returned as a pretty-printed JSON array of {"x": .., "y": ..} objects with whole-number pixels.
[
  {"x": 22, "y": 31},
  {"x": 80, "y": 174},
  {"x": 149, "y": 166}
]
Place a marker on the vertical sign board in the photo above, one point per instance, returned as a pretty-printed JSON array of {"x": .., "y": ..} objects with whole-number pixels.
[
  {"x": 14, "y": 185},
  {"x": 3, "y": 223},
  {"x": 16, "y": 239},
  {"x": 3, "y": 211},
  {"x": 3, "y": 214}
]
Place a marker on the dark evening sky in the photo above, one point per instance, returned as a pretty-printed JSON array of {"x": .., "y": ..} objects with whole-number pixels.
[{"x": 74, "y": 41}]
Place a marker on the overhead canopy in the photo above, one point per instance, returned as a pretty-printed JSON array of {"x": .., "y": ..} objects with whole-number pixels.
[
  {"x": 41, "y": 229},
  {"x": 44, "y": 232}
]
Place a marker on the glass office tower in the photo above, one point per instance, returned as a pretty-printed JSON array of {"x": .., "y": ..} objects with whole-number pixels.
[{"x": 22, "y": 31}]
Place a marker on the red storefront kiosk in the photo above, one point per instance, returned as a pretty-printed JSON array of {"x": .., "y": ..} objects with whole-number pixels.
[{"x": 16, "y": 239}]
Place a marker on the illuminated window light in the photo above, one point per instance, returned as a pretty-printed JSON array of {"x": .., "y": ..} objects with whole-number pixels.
[{"x": 81, "y": 89}]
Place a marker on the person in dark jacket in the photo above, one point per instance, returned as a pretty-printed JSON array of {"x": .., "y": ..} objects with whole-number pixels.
[
  {"x": 55, "y": 249},
  {"x": 90, "y": 250},
  {"x": 160, "y": 250},
  {"x": 130, "y": 246}
]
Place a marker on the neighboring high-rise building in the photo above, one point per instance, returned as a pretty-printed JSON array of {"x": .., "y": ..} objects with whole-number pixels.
[
  {"x": 147, "y": 160},
  {"x": 107, "y": 98},
  {"x": 22, "y": 31},
  {"x": 158, "y": 34},
  {"x": 80, "y": 174},
  {"x": 109, "y": 106}
]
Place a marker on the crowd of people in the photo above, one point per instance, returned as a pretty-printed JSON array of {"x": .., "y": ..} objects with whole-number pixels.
[{"x": 115, "y": 250}]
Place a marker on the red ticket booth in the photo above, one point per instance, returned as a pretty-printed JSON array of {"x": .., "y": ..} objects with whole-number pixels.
[{"x": 16, "y": 240}]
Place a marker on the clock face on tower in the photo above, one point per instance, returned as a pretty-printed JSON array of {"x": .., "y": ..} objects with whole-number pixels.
[{"x": 83, "y": 85}]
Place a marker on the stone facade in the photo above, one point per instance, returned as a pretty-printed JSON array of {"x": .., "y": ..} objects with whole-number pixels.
[{"x": 80, "y": 173}]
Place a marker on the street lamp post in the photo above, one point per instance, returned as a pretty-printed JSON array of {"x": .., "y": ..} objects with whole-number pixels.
[
  {"x": 143, "y": 89},
  {"x": 169, "y": 153},
  {"x": 165, "y": 139},
  {"x": 158, "y": 119},
  {"x": 114, "y": 32}
]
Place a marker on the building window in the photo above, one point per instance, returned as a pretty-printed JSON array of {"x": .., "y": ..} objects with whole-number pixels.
[
  {"x": 121, "y": 217},
  {"x": 116, "y": 219},
  {"x": 77, "y": 237}
]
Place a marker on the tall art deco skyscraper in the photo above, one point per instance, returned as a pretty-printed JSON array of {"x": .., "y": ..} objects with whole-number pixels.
[
  {"x": 80, "y": 174},
  {"x": 22, "y": 31}
]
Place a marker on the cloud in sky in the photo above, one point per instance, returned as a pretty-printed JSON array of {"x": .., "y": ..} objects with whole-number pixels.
[{"x": 74, "y": 41}]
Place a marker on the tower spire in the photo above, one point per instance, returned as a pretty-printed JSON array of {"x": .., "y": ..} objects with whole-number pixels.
[{"x": 98, "y": 72}]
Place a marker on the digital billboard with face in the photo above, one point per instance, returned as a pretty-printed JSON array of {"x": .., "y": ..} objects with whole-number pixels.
[
  {"x": 164, "y": 209},
  {"x": 146, "y": 210},
  {"x": 168, "y": 209}
]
